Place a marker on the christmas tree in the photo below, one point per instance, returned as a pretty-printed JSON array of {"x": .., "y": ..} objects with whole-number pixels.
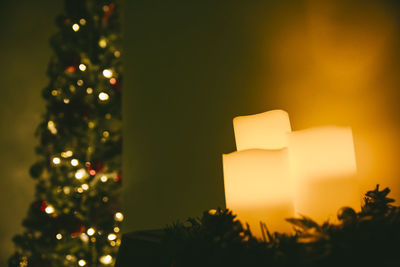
[{"x": 74, "y": 219}]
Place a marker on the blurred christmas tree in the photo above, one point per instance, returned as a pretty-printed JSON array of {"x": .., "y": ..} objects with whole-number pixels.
[{"x": 74, "y": 219}]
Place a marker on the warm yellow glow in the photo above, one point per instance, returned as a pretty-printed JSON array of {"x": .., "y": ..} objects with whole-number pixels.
[
  {"x": 56, "y": 160},
  {"x": 74, "y": 162},
  {"x": 106, "y": 134},
  {"x": 79, "y": 190},
  {"x": 82, "y": 21},
  {"x": 322, "y": 151},
  {"x": 117, "y": 54},
  {"x": 59, "y": 236},
  {"x": 85, "y": 186},
  {"x": 54, "y": 92},
  {"x": 119, "y": 217},
  {"x": 79, "y": 82},
  {"x": 103, "y": 96},
  {"x": 82, "y": 67},
  {"x": 112, "y": 237},
  {"x": 102, "y": 42},
  {"x": 266, "y": 130},
  {"x": 107, "y": 259},
  {"x": 66, "y": 101},
  {"x": 89, "y": 90},
  {"x": 116, "y": 229},
  {"x": 80, "y": 174},
  {"x": 49, "y": 209},
  {"x": 91, "y": 124},
  {"x": 67, "y": 154},
  {"x": 81, "y": 262},
  {"x": 334, "y": 62},
  {"x": 52, "y": 127},
  {"x": 324, "y": 167},
  {"x": 103, "y": 178},
  {"x": 75, "y": 27},
  {"x": 258, "y": 187},
  {"x": 90, "y": 231},
  {"x": 107, "y": 73}
]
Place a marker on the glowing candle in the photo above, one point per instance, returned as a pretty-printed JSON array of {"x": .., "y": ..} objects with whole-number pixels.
[
  {"x": 266, "y": 130},
  {"x": 323, "y": 165},
  {"x": 258, "y": 188}
]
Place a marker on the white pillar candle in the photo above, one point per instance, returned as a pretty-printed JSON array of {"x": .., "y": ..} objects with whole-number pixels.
[
  {"x": 323, "y": 165},
  {"x": 258, "y": 188},
  {"x": 266, "y": 130}
]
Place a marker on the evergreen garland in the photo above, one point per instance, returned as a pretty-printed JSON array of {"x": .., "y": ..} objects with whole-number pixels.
[{"x": 370, "y": 237}]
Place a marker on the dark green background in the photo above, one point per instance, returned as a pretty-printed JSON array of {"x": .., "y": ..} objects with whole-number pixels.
[
  {"x": 191, "y": 66},
  {"x": 25, "y": 27}
]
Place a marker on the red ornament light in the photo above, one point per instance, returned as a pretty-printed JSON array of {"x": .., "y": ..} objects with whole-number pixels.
[
  {"x": 71, "y": 69},
  {"x": 44, "y": 205},
  {"x": 113, "y": 81}
]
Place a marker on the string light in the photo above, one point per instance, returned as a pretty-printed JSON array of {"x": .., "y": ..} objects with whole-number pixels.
[
  {"x": 105, "y": 8},
  {"x": 103, "y": 178},
  {"x": 90, "y": 231},
  {"x": 82, "y": 67},
  {"x": 72, "y": 88},
  {"x": 59, "y": 236},
  {"x": 89, "y": 90},
  {"x": 66, "y": 100},
  {"x": 117, "y": 54},
  {"x": 82, "y": 21},
  {"x": 107, "y": 73},
  {"x": 108, "y": 116},
  {"x": 116, "y": 229},
  {"x": 52, "y": 127},
  {"x": 56, "y": 160},
  {"x": 112, "y": 237},
  {"x": 84, "y": 237},
  {"x": 119, "y": 217},
  {"x": 67, "y": 154},
  {"x": 79, "y": 82},
  {"x": 106, "y": 259},
  {"x": 113, "y": 81},
  {"x": 74, "y": 162},
  {"x": 91, "y": 124},
  {"x": 102, "y": 43},
  {"x": 81, "y": 262},
  {"x": 85, "y": 187},
  {"x": 79, "y": 190},
  {"x": 80, "y": 174},
  {"x": 49, "y": 209},
  {"x": 69, "y": 257},
  {"x": 103, "y": 96},
  {"x": 106, "y": 134},
  {"x": 67, "y": 190},
  {"x": 75, "y": 27},
  {"x": 54, "y": 92}
]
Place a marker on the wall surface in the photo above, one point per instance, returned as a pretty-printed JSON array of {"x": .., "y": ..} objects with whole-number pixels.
[
  {"x": 25, "y": 52},
  {"x": 191, "y": 66}
]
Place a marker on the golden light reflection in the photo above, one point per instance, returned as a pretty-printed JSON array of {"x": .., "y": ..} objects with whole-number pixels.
[{"x": 332, "y": 64}]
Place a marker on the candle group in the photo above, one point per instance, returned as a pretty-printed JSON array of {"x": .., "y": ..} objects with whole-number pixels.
[{"x": 276, "y": 173}]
